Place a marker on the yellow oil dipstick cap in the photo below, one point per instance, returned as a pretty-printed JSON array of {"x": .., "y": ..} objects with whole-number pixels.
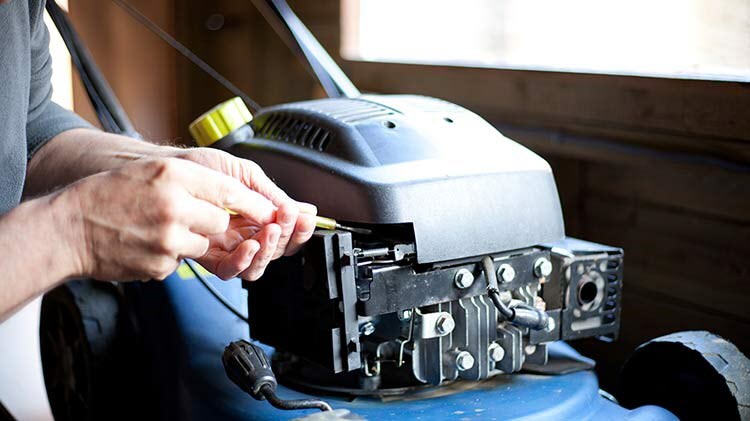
[{"x": 220, "y": 121}]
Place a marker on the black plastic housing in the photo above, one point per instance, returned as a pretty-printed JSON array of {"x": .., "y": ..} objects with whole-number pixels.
[{"x": 464, "y": 188}]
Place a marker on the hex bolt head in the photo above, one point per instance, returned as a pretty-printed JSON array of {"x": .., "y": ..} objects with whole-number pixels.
[
  {"x": 506, "y": 272},
  {"x": 551, "y": 325},
  {"x": 464, "y": 278},
  {"x": 496, "y": 352},
  {"x": 404, "y": 315},
  {"x": 464, "y": 361},
  {"x": 444, "y": 325},
  {"x": 542, "y": 267},
  {"x": 367, "y": 329}
]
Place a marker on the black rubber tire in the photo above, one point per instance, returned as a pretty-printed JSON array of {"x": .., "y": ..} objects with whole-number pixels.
[
  {"x": 696, "y": 375},
  {"x": 83, "y": 351}
]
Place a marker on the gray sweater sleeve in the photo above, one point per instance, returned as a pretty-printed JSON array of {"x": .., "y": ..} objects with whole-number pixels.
[{"x": 45, "y": 119}]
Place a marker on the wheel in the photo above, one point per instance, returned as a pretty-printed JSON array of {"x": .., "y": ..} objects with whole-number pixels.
[
  {"x": 696, "y": 375},
  {"x": 82, "y": 351}
]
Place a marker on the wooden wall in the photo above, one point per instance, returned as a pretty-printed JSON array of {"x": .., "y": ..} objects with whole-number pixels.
[
  {"x": 140, "y": 68},
  {"x": 660, "y": 168}
]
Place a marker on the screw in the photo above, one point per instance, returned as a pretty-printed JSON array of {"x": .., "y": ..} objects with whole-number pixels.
[
  {"x": 506, "y": 297},
  {"x": 444, "y": 324},
  {"x": 404, "y": 315},
  {"x": 496, "y": 352},
  {"x": 551, "y": 325},
  {"x": 464, "y": 278},
  {"x": 367, "y": 329},
  {"x": 506, "y": 272},
  {"x": 542, "y": 267},
  {"x": 464, "y": 361}
]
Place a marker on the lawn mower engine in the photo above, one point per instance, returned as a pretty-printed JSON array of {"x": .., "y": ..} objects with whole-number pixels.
[{"x": 458, "y": 266}]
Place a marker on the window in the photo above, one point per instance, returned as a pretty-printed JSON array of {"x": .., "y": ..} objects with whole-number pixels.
[
  {"x": 698, "y": 39},
  {"x": 62, "y": 76}
]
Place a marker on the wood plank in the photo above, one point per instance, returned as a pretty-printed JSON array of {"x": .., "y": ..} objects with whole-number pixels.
[
  {"x": 698, "y": 260},
  {"x": 687, "y": 107},
  {"x": 138, "y": 65},
  {"x": 569, "y": 176},
  {"x": 711, "y": 191},
  {"x": 570, "y": 138}
]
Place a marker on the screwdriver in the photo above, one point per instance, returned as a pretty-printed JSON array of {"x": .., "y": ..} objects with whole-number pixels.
[
  {"x": 331, "y": 224},
  {"x": 323, "y": 222}
]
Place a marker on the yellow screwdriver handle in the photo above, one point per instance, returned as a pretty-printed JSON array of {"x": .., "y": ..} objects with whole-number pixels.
[{"x": 325, "y": 223}]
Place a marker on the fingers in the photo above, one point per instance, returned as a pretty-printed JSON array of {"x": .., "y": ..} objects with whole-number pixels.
[
  {"x": 286, "y": 217},
  {"x": 307, "y": 208},
  {"x": 268, "y": 238},
  {"x": 218, "y": 189},
  {"x": 302, "y": 232},
  {"x": 257, "y": 179},
  {"x": 238, "y": 260},
  {"x": 205, "y": 218},
  {"x": 261, "y": 204},
  {"x": 248, "y": 260},
  {"x": 193, "y": 246}
]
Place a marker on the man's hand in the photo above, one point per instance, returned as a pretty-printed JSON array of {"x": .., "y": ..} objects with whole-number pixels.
[
  {"x": 79, "y": 153},
  {"x": 296, "y": 219},
  {"x": 138, "y": 221}
]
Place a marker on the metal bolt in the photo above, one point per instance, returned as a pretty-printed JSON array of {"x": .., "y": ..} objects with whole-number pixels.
[
  {"x": 506, "y": 297},
  {"x": 551, "y": 325},
  {"x": 496, "y": 352},
  {"x": 464, "y": 278},
  {"x": 464, "y": 361},
  {"x": 542, "y": 267},
  {"x": 444, "y": 325},
  {"x": 506, "y": 272},
  {"x": 404, "y": 315},
  {"x": 367, "y": 329},
  {"x": 529, "y": 349}
]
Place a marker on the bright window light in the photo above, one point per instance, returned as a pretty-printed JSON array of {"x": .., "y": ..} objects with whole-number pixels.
[{"x": 703, "y": 39}]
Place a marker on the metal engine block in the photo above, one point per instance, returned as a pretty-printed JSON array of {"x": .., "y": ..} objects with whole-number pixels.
[{"x": 349, "y": 305}]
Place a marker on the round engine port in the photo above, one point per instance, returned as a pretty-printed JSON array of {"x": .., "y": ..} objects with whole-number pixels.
[{"x": 590, "y": 291}]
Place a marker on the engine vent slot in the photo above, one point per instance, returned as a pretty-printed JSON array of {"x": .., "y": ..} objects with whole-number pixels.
[
  {"x": 291, "y": 129},
  {"x": 361, "y": 113},
  {"x": 349, "y": 110}
]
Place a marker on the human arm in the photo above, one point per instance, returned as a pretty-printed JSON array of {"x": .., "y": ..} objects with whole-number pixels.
[
  {"x": 136, "y": 222},
  {"x": 77, "y": 153}
]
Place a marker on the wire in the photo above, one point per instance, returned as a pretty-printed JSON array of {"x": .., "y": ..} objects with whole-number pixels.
[
  {"x": 293, "y": 404},
  {"x": 489, "y": 273},
  {"x": 223, "y": 300},
  {"x": 153, "y": 27},
  {"x": 522, "y": 315},
  {"x": 108, "y": 110}
]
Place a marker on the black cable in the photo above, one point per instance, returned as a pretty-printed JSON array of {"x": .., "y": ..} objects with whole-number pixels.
[
  {"x": 153, "y": 27},
  {"x": 506, "y": 312},
  {"x": 293, "y": 404},
  {"x": 223, "y": 300},
  {"x": 303, "y": 44},
  {"x": 72, "y": 43},
  {"x": 108, "y": 110},
  {"x": 489, "y": 272},
  {"x": 523, "y": 314}
]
